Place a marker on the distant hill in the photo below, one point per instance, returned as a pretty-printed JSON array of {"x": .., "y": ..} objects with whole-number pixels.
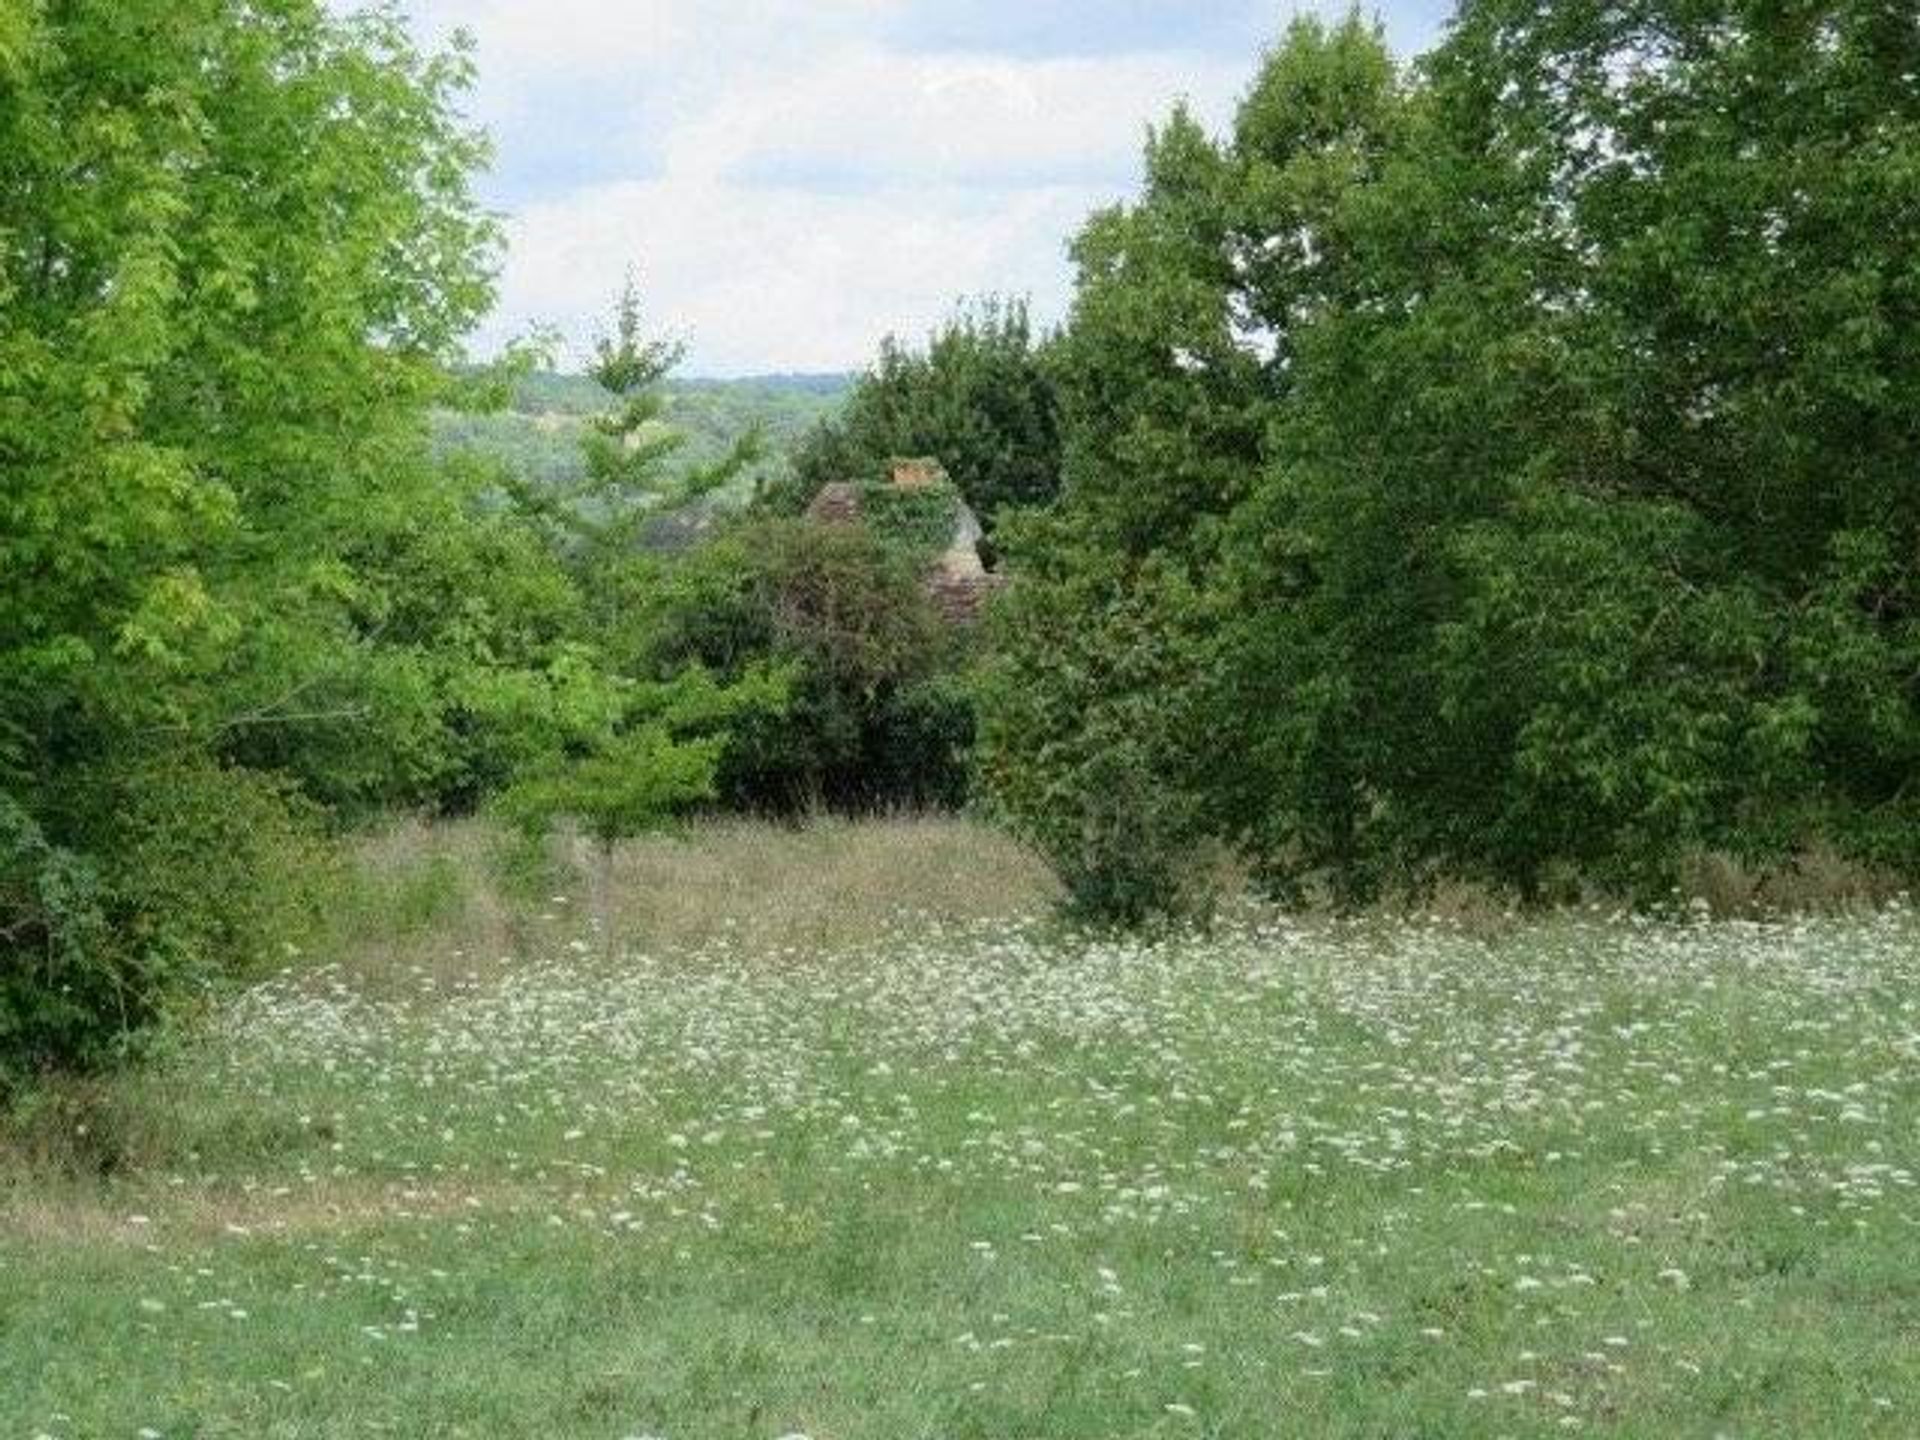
[
  {"x": 829, "y": 383},
  {"x": 714, "y": 413},
  {"x": 539, "y": 431},
  {"x": 549, "y": 393}
]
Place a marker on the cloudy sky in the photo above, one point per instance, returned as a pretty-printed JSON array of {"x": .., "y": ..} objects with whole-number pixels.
[{"x": 793, "y": 179}]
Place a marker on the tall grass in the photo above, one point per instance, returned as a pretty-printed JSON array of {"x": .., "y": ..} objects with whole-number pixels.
[{"x": 468, "y": 898}]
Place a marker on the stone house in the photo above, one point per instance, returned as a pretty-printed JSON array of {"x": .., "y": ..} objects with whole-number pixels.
[{"x": 957, "y": 581}]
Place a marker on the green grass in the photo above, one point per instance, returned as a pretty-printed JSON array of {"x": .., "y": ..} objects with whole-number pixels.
[{"x": 969, "y": 1179}]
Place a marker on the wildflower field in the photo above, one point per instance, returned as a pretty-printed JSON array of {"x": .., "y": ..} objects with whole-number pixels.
[{"x": 980, "y": 1180}]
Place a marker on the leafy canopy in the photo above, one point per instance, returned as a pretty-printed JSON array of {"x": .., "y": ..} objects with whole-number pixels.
[
  {"x": 237, "y": 250},
  {"x": 1530, "y": 430}
]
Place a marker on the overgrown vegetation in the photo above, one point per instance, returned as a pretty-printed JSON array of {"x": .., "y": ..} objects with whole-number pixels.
[
  {"x": 208, "y": 420},
  {"x": 1490, "y": 472},
  {"x": 1474, "y": 483},
  {"x": 1515, "y": 451},
  {"x": 243, "y": 605},
  {"x": 921, "y": 520},
  {"x": 878, "y": 714}
]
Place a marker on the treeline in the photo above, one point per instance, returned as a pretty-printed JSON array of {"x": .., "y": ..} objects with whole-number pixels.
[
  {"x": 265, "y": 575},
  {"x": 785, "y": 403},
  {"x": 1503, "y": 467}
]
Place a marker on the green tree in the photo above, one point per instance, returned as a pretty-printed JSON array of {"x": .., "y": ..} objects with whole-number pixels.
[
  {"x": 1101, "y": 675},
  {"x": 1532, "y": 424},
  {"x": 621, "y": 749},
  {"x": 628, "y": 477},
  {"x": 1607, "y": 443},
  {"x": 979, "y": 398},
  {"x": 237, "y": 248},
  {"x": 1182, "y": 353}
]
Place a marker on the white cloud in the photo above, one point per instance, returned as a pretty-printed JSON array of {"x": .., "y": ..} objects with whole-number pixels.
[
  {"x": 792, "y": 179},
  {"x": 585, "y": 37},
  {"x": 884, "y": 119},
  {"x": 783, "y": 278}
]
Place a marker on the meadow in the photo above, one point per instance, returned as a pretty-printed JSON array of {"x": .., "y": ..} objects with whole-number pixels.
[{"x": 833, "y": 1133}]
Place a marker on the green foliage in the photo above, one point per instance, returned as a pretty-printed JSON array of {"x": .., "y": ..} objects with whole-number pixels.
[
  {"x": 620, "y": 748},
  {"x": 236, "y": 249},
  {"x": 628, "y": 362},
  {"x": 876, "y": 717},
  {"x": 206, "y": 870},
  {"x": 597, "y": 513},
  {"x": 1160, "y": 391},
  {"x": 978, "y": 399},
  {"x": 1087, "y": 728},
  {"x": 920, "y": 521},
  {"x": 632, "y": 782},
  {"x": 1533, "y": 424},
  {"x": 243, "y": 599},
  {"x": 637, "y": 755},
  {"x": 221, "y": 868},
  {"x": 203, "y": 398},
  {"x": 61, "y": 988},
  {"x": 1629, "y": 485}
]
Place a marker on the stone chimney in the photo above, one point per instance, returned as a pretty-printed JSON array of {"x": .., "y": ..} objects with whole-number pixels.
[{"x": 917, "y": 473}]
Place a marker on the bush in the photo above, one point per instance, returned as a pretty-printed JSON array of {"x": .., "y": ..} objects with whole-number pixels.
[
  {"x": 65, "y": 983},
  {"x": 193, "y": 875},
  {"x": 1086, "y": 736},
  {"x": 876, "y": 716},
  {"x": 220, "y": 869}
]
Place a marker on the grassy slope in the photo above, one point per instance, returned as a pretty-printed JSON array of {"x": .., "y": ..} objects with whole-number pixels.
[{"x": 964, "y": 1179}]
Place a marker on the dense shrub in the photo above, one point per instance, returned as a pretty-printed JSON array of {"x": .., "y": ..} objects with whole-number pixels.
[
  {"x": 220, "y": 868},
  {"x": 876, "y": 716},
  {"x": 65, "y": 974},
  {"x": 1087, "y": 733},
  {"x": 190, "y": 875}
]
